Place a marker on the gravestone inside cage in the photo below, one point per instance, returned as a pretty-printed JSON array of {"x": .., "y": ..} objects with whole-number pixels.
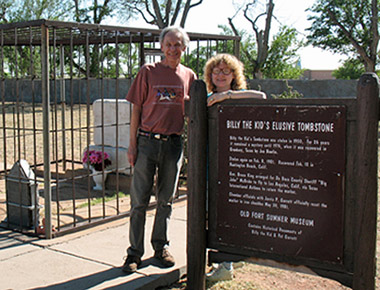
[{"x": 22, "y": 196}]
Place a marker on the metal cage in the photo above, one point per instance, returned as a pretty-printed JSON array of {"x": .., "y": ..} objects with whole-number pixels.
[{"x": 51, "y": 74}]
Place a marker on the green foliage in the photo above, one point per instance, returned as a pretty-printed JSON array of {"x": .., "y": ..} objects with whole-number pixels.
[
  {"x": 288, "y": 94},
  {"x": 282, "y": 61},
  {"x": 18, "y": 61},
  {"x": 95, "y": 11},
  {"x": 25, "y": 60},
  {"x": 25, "y": 10},
  {"x": 327, "y": 34},
  {"x": 248, "y": 54},
  {"x": 345, "y": 27},
  {"x": 5, "y": 6},
  {"x": 352, "y": 69},
  {"x": 248, "y": 51},
  {"x": 103, "y": 60},
  {"x": 198, "y": 57}
]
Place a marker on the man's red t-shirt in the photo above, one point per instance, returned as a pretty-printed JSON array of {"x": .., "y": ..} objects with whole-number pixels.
[{"x": 160, "y": 91}]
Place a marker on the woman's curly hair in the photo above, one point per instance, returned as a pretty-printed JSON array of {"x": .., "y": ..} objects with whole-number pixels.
[{"x": 237, "y": 67}]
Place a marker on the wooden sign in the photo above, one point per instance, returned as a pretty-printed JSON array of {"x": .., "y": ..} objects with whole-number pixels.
[{"x": 281, "y": 179}]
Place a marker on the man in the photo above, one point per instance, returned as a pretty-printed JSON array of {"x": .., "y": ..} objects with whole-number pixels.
[{"x": 157, "y": 95}]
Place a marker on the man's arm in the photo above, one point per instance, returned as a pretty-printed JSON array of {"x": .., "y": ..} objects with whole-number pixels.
[{"x": 135, "y": 122}]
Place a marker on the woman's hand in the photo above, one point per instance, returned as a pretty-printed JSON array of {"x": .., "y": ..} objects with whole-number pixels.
[{"x": 218, "y": 97}]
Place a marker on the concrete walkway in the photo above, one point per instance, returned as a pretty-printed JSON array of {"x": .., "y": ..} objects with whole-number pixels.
[{"x": 89, "y": 259}]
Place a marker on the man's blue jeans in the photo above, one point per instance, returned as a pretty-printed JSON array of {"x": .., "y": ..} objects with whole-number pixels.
[{"x": 165, "y": 158}]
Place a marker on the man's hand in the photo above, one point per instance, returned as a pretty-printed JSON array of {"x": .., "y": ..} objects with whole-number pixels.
[
  {"x": 135, "y": 122},
  {"x": 132, "y": 155}
]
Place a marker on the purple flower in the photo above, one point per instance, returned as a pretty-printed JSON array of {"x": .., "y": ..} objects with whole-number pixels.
[{"x": 95, "y": 159}]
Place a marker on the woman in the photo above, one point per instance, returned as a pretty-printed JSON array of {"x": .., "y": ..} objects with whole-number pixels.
[{"x": 224, "y": 77}]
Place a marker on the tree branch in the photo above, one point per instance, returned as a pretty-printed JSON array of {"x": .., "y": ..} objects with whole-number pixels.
[
  {"x": 157, "y": 12},
  {"x": 95, "y": 11},
  {"x": 262, "y": 36},
  {"x": 103, "y": 11},
  {"x": 196, "y": 4},
  {"x": 176, "y": 12},
  {"x": 144, "y": 17},
  {"x": 253, "y": 23},
  {"x": 268, "y": 22},
  {"x": 374, "y": 29},
  {"x": 346, "y": 33},
  {"x": 76, "y": 3},
  {"x": 233, "y": 27},
  {"x": 168, "y": 7},
  {"x": 188, "y": 6}
]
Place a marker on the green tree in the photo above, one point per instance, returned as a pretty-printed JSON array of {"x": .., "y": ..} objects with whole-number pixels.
[
  {"x": 351, "y": 69},
  {"x": 198, "y": 57},
  {"x": 101, "y": 58},
  {"x": 19, "y": 57},
  {"x": 248, "y": 50},
  {"x": 282, "y": 61},
  {"x": 261, "y": 35},
  {"x": 25, "y": 10},
  {"x": 92, "y": 11},
  {"x": 347, "y": 27},
  {"x": 5, "y": 6},
  {"x": 95, "y": 11}
]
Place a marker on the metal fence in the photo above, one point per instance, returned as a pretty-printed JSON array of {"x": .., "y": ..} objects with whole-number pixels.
[{"x": 51, "y": 74}]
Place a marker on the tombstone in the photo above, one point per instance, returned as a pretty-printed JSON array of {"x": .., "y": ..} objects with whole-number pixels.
[
  {"x": 111, "y": 109},
  {"x": 22, "y": 196}
]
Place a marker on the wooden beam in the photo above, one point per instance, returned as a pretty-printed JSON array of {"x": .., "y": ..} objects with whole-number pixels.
[
  {"x": 368, "y": 116},
  {"x": 197, "y": 179}
]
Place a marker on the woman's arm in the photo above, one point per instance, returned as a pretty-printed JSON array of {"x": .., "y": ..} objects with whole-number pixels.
[{"x": 248, "y": 94}]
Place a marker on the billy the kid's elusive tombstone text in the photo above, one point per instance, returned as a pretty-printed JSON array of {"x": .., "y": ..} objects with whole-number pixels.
[{"x": 281, "y": 179}]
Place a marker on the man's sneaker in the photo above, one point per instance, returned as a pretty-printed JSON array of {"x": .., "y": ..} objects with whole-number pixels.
[
  {"x": 131, "y": 264},
  {"x": 165, "y": 258},
  {"x": 220, "y": 273}
]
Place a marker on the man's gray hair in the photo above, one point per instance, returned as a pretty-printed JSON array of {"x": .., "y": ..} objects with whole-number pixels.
[{"x": 185, "y": 37}]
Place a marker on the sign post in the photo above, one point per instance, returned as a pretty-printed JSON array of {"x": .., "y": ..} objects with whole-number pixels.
[
  {"x": 368, "y": 116},
  {"x": 196, "y": 197}
]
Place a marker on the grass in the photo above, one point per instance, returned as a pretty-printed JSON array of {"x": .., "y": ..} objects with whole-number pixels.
[{"x": 99, "y": 200}]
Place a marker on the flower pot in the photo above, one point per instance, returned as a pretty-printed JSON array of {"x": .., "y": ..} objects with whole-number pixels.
[{"x": 98, "y": 178}]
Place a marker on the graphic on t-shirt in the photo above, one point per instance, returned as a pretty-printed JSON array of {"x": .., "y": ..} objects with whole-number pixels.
[{"x": 167, "y": 94}]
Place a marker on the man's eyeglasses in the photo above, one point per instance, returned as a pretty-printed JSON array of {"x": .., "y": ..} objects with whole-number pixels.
[{"x": 225, "y": 71}]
